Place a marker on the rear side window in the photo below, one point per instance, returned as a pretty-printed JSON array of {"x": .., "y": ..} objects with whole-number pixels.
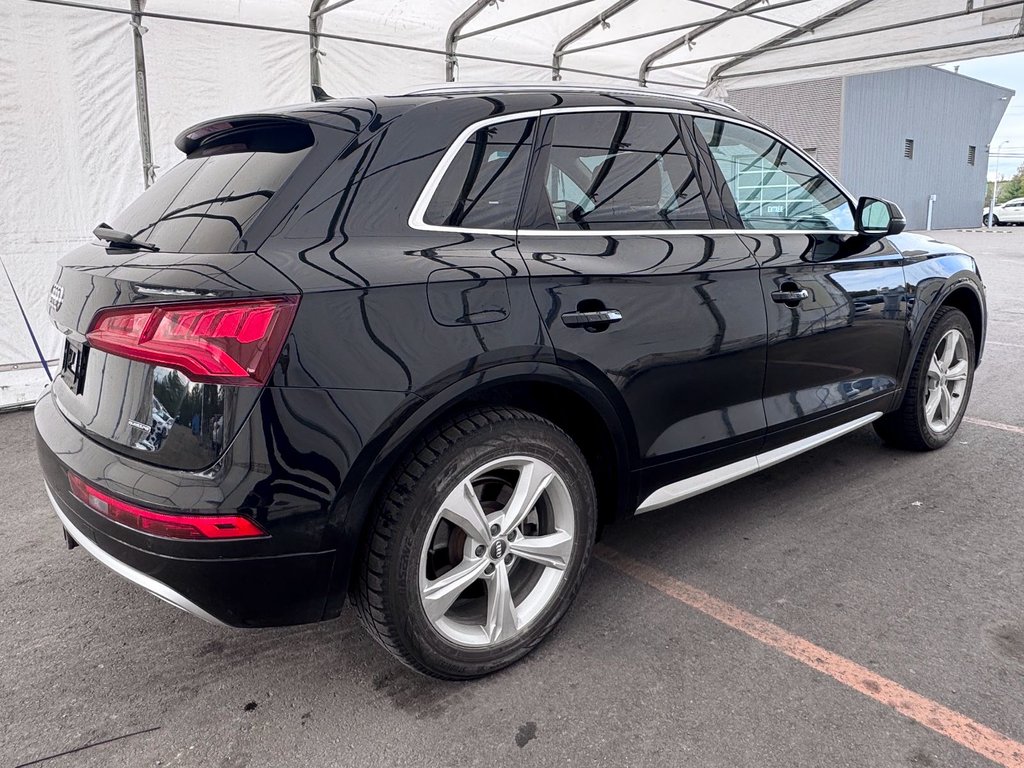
[
  {"x": 207, "y": 202},
  {"x": 621, "y": 170},
  {"x": 482, "y": 185}
]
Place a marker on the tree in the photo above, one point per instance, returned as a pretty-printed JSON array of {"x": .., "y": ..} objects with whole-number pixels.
[{"x": 1010, "y": 188}]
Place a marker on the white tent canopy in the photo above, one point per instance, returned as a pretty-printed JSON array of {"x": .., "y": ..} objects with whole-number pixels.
[{"x": 74, "y": 97}]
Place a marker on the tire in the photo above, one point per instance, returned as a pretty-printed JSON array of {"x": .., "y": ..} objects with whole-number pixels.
[
  {"x": 990, "y": 220},
  {"x": 415, "y": 550},
  {"x": 923, "y": 423}
]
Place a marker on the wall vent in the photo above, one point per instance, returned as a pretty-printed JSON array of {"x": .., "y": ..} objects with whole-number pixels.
[
  {"x": 972, "y": 155},
  {"x": 908, "y": 149}
]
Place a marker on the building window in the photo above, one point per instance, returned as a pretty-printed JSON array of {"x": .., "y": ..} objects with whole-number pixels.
[
  {"x": 972, "y": 155},
  {"x": 908, "y": 149}
]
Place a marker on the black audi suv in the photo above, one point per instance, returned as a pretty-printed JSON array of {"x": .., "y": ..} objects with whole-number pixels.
[{"x": 417, "y": 351}]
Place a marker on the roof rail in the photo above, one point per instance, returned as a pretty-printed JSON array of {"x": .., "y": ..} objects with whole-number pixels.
[{"x": 464, "y": 87}]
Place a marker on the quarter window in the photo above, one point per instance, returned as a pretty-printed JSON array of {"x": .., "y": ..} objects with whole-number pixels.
[
  {"x": 773, "y": 186},
  {"x": 482, "y": 185},
  {"x": 619, "y": 170}
]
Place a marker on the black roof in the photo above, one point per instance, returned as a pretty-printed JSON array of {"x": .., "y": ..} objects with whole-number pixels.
[{"x": 502, "y": 97}]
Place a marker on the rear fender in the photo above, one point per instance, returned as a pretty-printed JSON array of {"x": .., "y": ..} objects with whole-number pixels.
[{"x": 356, "y": 505}]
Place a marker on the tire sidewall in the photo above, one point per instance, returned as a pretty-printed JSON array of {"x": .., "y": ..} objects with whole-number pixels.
[
  {"x": 949, "y": 321},
  {"x": 535, "y": 439}
]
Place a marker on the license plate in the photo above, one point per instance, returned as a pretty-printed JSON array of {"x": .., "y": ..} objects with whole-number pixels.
[{"x": 72, "y": 369}]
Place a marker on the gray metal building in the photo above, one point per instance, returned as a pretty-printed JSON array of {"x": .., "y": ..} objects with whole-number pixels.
[{"x": 903, "y": 135}]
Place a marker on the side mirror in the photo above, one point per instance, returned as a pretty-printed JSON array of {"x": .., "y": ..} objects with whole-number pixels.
[{"x": 879, "y": 218}]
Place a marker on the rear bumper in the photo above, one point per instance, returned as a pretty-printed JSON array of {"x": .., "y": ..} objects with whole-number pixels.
[
  {"x": 272, "y": 581},
  {"x": 238, "y": 592},
  {"x": 148, "y": 583}
]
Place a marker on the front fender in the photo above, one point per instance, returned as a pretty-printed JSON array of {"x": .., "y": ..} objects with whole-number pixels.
[{"x": 932, "y": 278}]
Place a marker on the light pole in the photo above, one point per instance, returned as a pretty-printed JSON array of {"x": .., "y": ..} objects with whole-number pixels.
[{"x": 995, "y": 186}]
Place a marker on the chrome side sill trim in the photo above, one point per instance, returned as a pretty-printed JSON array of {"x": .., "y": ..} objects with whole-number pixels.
[
  {"x": 714, "y": 478},
  {"x": 148, "y": 583}
]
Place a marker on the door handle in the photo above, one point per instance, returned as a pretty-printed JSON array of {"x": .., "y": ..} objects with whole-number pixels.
[
  {"x": 791, "y": 298},
  {"x": 596, "y": 320}
]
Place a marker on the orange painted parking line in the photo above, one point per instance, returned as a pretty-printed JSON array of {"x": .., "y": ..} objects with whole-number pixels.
[
  {"x": 963, "y": 730},
  {"x": 994, "y": 425}
]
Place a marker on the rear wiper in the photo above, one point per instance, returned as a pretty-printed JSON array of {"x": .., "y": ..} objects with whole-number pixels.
[{"x": 121, "y": 239}]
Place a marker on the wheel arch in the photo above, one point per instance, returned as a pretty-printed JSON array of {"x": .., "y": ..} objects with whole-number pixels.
[
  {"x": 598, "y": 424},
  {"x": 966, "y": 298},
  {"x": 960, "y": 291}
]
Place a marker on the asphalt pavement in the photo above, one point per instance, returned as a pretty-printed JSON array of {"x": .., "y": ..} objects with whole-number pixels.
[{"x": 907, "y": 568}]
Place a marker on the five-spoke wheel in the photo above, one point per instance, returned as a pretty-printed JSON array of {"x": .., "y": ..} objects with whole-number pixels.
[
  {"x": 496, "y": 549},
  {"x": 939, "y": 386},
  {"x": 947, "y": 380},
  {"x": 480, "y": 545}
]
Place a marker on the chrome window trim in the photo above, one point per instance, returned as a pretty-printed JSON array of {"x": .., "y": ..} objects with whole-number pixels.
[
  {"x": 660, "y": 232},
  {"x": 419, "y": 209},
  {"x": 706, "y": 481}
]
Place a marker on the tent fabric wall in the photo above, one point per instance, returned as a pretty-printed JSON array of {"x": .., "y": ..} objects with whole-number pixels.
[{"x": 71, "y": 153}]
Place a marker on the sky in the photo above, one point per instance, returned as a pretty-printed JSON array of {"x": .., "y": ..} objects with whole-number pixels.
[{"x": 1007, "y": 71}]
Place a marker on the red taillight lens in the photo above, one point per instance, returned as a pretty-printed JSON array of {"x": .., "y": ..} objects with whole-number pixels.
[
  {"x": 160, "y": 523},
  {"x": 223, "y": 342}
]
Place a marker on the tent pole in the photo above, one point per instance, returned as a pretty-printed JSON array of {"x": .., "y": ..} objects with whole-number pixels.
[
  {"x": 778, "y": 45},
  {"x": 838, "y": 13},
  {"x": 316, "y": 24},
  {"x": 142, "y": 95},
  {"x": 527, "y": 17},
  {"x": 870, "y": 57},
  {"x": 727, "y": 16},
  {"x": 689, "y": 37},
  {"x": 327, "y": 36},
  {"x": 316, "y": 11},
  {"x": 451, "y": 63},
  {"x": 591, "y": 24}
]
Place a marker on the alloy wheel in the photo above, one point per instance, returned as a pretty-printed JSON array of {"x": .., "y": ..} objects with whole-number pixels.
[
  {"x": 946, "y": 381},
  {"x": 496, "y": 550}
]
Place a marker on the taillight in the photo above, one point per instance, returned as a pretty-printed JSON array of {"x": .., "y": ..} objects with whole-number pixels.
[
  {"x": 215, "y": 342},
  {"x": 160, "y": 523}
]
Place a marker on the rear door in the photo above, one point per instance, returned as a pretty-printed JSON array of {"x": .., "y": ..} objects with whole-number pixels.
[
  {"x": 640, "y": 286},
  {"x": 836, "y": 303}
]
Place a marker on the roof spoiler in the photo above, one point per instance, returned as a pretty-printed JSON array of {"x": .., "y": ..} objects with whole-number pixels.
[{"x": 222, "y": 130}]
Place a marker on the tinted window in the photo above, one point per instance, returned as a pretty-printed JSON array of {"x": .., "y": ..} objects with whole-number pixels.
[
  {"x": 206, "y": 203},
  {"x": 621, "y": 170},
  {"x": 482, "y": 185},
  {"x": 774, "y": 187}
]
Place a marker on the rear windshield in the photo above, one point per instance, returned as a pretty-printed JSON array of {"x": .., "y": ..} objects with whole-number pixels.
[{"x": 207, "y": 202}]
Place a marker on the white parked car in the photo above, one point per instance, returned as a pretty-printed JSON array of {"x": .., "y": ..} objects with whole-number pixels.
[{"x": 1010, "y": 212}]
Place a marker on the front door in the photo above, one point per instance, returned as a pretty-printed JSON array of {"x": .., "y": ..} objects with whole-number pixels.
[
  {"x": 836, "y": 303},
  {"x": 639, "y": 289}
]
